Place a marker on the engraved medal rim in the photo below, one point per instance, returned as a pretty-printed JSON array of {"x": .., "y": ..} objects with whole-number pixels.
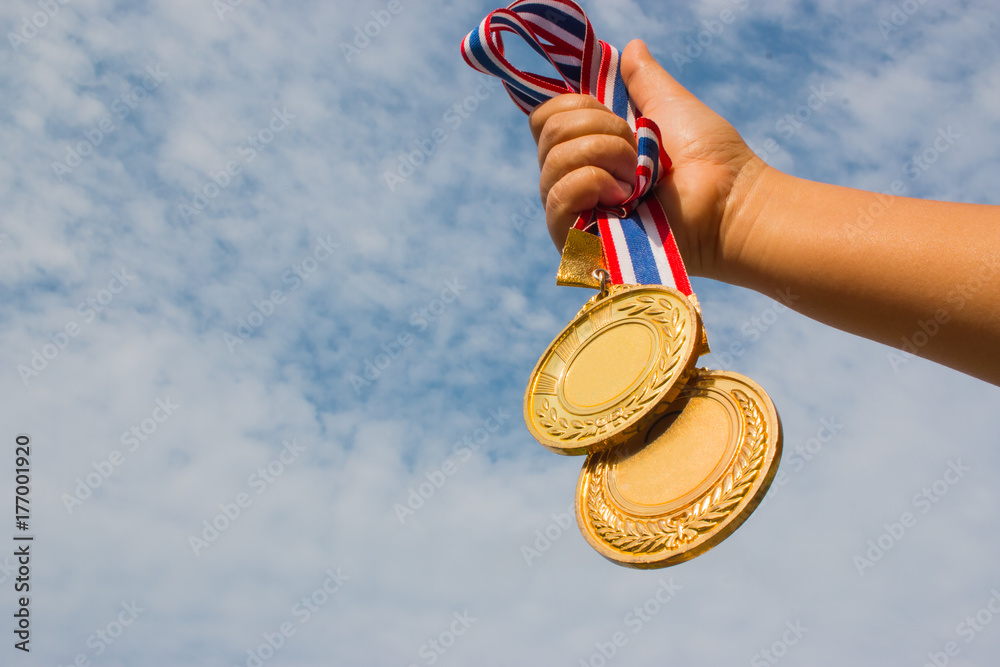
[
  {"x": 615, "y": 435},
  {"x": 725, "y": 527}
]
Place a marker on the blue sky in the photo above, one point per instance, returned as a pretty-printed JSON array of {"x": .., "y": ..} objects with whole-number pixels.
[{"x": 199, "y": 285}]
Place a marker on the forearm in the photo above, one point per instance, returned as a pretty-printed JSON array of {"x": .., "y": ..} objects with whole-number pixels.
[{"x": 910, "y": 273}]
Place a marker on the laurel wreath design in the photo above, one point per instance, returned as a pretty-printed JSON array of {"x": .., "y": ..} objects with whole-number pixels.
[
  {"x": 668, "y": 317},
  {"x": 671, "y": 532}
]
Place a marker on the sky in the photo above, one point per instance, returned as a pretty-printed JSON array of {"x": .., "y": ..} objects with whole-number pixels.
[{"x": 273, "y": 287}]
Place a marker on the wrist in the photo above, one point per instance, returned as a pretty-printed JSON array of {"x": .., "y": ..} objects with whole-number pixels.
[{"x": 744, "y": 228}]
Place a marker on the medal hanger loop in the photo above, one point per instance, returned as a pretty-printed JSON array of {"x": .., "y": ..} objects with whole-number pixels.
[
  {"x": 604, "y": 278},
  {"x": 617, "y": 211}
]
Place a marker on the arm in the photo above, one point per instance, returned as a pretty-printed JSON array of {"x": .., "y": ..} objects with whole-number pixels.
[{"x": 892, "y": 269}]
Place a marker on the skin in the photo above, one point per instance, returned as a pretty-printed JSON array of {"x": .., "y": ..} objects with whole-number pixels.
[{"x": 738, "y": 220}]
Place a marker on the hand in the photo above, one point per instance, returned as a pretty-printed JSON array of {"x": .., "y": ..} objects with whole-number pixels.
[
  {"x": 735, "y": 219},
  {"x": 587, "y": 156}
]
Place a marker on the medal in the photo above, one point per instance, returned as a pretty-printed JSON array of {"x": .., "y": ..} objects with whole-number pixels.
[
  {"x": 687, "y": 482},
  {"x": 616, "y": 367},
  {"x": 677, "y": 458}
]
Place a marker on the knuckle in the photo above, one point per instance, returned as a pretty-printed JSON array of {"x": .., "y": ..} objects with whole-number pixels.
[
  {"x": 553, "y": 129},
  {"x": 555, "y": 202},
  {"x": 562, "y": 201}
]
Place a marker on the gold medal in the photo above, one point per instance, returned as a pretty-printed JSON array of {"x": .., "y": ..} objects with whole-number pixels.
[
  {"x": 678, "y": 458},
  {"x": 613, "y": 370},
  {"x": 688, "y": 481},
  {"x": 617, "y": 365}
]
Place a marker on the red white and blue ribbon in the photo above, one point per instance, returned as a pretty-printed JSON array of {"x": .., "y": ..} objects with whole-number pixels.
[{"x": 639, "y": 247}]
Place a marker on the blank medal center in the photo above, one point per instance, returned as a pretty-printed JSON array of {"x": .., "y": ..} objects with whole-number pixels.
[
  {"x": 609, "y": 365},
  {"x": 684, "y": 452}
]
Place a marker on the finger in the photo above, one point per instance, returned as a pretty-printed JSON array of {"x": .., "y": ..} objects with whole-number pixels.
[
  {"x": 578, "y": 191},
  {"x": 561, "y": 103},
  {"x": 649, "y": 85},
  {"x": 612, "y": 154},
  {"x": 568, "y": 125},
  {"x": 683, "y": 119}
]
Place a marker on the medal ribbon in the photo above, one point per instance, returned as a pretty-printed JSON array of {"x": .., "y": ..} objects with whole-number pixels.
[{"x": 638, "y": 244}]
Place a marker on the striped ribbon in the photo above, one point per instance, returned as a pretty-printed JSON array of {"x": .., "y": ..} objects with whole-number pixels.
[{"x": 638, "y": 244}]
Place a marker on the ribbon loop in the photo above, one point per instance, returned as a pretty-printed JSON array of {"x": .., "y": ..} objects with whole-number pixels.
[
  {"x": 556, "y": 30},
  {"x": 637, "y": 240}
]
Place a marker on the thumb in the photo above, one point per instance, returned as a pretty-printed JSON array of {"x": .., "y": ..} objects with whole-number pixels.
[{"x": 649, "y": 85}]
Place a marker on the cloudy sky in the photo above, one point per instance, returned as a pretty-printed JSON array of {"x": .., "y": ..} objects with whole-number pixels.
[{"x": 241, "y": 329}]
